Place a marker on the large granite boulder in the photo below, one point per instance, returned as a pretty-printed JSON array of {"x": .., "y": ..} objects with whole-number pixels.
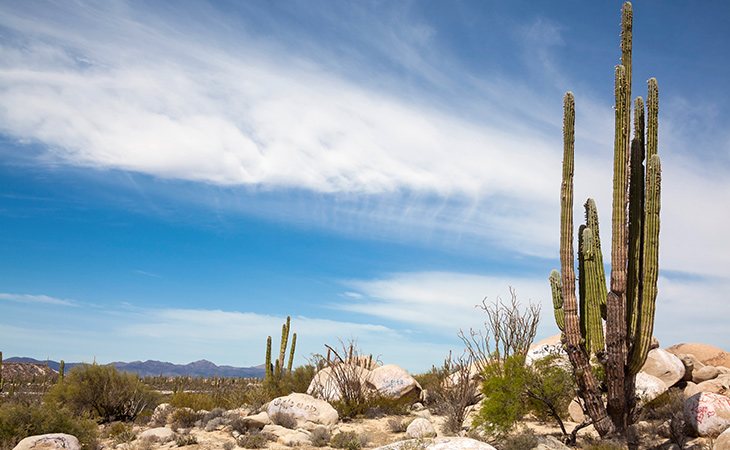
[
  {"x": 305, "y": 409},
  {"x": 443, "y": 443},
  {"x": 394, "y": 382},
  {"x": 708, "y": 414},
  {"x": 705, "y": 373},
  {"x": 53, "y": 441},
  {"x": 665, "y": 366},
  {"x": 707, "y": 354},
  {"x": 550, "y": 346},
  {"x": 326, "y": 383}
]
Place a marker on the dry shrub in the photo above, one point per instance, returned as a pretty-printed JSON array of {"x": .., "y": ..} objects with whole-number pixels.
[
  {"x": 455, "y": 393},
  {"x": 398, "y": 424},
  {"x": 286, "y": 420},
  {"x": 320, "y": 437},
  {"x": 349, "y": 440}
]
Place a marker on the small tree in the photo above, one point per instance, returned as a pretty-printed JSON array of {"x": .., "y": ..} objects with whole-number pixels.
[{"x": 456, "y": 392}]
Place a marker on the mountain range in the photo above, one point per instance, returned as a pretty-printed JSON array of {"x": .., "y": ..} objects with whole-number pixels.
[{"x": 202, "y": 368}]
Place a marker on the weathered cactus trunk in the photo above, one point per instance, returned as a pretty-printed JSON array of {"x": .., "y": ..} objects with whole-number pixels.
[{"x": 628, "y": 307}]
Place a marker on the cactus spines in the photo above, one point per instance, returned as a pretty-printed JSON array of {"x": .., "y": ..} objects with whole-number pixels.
[
  {"x": 555, "y": 287},
  {"x": 628, "y": 307},
  {"x": 291, "y": 352},
  {"x": 268, "y": 358}
]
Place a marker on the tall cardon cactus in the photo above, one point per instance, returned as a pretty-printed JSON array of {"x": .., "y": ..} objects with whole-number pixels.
[
  {"x": 627, "y": 307},
  {"x": 274, "y": 372}
]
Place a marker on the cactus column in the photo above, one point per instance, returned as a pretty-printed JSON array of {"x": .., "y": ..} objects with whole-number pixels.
[{"x": 628, "y": 307}]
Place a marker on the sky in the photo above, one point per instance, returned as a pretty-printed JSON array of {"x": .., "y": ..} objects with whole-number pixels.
[{"x": 178, "y": 177}]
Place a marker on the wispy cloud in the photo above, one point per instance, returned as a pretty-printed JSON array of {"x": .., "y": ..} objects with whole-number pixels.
[{"x": 31, "y": 298}]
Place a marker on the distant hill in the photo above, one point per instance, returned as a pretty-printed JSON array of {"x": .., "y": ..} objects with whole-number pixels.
[{"x": 202, "y": 368}]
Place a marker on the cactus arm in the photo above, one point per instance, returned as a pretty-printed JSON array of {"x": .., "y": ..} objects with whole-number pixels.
[
  {"x": 291, "y": 352},
  {"x": 556, "y": 287},
  {"x": 284, "y": 341},
  {"x": 592, "y": 223},
  {"x": 595, "y": 289},
  {"x": 268, "y": 358}
]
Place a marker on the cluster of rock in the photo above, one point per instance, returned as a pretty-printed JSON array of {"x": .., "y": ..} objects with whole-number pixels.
[
  {"x": 701, "y": 371},
  {"x": 389, "y": 381}
]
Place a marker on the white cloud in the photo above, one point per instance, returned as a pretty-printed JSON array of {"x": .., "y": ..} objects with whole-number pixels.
[{"x": 43, "y": 299}]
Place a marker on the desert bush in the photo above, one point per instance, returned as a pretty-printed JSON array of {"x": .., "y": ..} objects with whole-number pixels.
[
  {"x": 398, "y": 424},
  {"x": 431, "y": 381},
  {"x": 18, "y": 421},
  {"x": 228, "y": 445},
  {"x": 254, "y": 439},
  {"x": 185, "y": 439},
  {"x": 349, "y": 440},
  {"x": 320, "y": 437},
  {"x": 522, "y": 440},
  {"x": 184, "y": 418},
  {"x": 455, "y": 394},
  {"x": 193, "y": 400},
  {"x": 504, "y": 401},
  {"x": 104, "y": 392},
  {"x": 666, "y": 414},
  {"x": 120, "y": 433},
  {"x": 286, "y": 420},
  {"x": 144, "y": 444},
  {"x": 214, "y": 423}
]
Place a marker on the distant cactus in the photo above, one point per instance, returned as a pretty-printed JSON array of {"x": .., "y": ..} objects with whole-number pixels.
[
  {"x": 628, "y": 307},
  {"x": 61, "y": 371},
  {"x": 274, "y": 373},
  {"x": 2, "y": 385}
]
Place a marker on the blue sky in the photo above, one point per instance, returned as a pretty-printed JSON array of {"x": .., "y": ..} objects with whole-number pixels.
[{"x": 178, "y": 177}]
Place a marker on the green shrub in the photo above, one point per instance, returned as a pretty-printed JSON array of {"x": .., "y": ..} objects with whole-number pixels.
[
  {"x": 349, "y": 440},
  {"x": 184, "y": 418},
  {"x": 525, "y": 439},
  {"x": 120, "y": 433},
  {"x": 184, "y": 439},
  {"x": 398, "y": 425},
  {"x": 193, "y": 400},
  {"x": 18, "y": 421},
  {"x": 103, "y": 392}
]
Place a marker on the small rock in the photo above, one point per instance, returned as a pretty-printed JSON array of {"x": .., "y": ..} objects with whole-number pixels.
[
  {"x": 719, "y": 385},
  {"x": 575, "y": 411},
  {"x": 550, "y": 443},
  {"x": 708, "y": 414},
  {"x": 295, "y": 438},
  {"x": 689, "y": 367},
  {"x": 723, "y": 441},
  {"x": 256, "y": 421},
  {"x": 443, "y": 443},
  {"x": 705, "y": 373},
  {"x": 420, "y": 428},
  {"x": 418, "y": 406},
  {"x": 161, "y": 434},
  {"x": 706, "y": 354},
  {"x": 51, "y": 441}
]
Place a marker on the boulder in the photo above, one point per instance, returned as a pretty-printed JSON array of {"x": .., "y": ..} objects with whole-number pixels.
[
  {"x": 723, "y": 441},
  {"x": 295, "y": 438},
  {"x": 708, "y": 355},
  {"x": 665, "y": 366},
  {"x": 256, "y": 421},
  {"x": 159, "y": 434},
  {"x": 160, "y": 414},
  {"x": 326, "y": 383},
  {"x": 689, "y": 367},
  {"x": 705, "y": 373},
  {"x": 708, "y": 414},
  {"x": 552, "y": 345},
  {"x": 304, "y": 408},
  {"x": 648, "y": 387},
  {"x": 394, "y": 382},
  {"x": 575, "y": 411},
  {"x": 550, "y": 443},
  {"x": 719, "y": 385},
  {"x": 51, "y": 441},
  {"x": 443, "y": 443},
  {"x": 420, "y": 428}
]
